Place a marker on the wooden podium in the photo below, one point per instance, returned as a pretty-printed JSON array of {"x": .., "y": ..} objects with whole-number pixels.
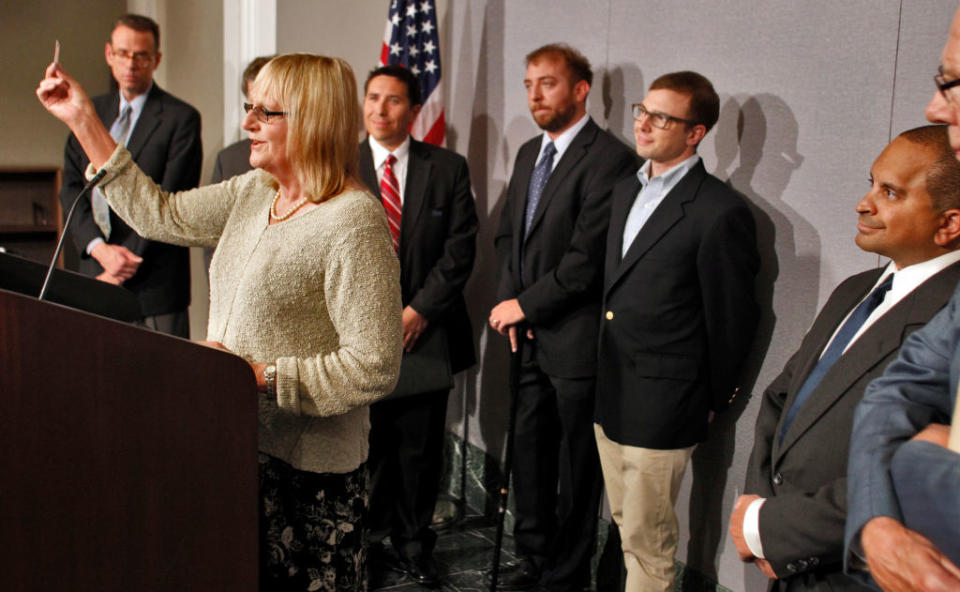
[{"x": 128, "y": 459}]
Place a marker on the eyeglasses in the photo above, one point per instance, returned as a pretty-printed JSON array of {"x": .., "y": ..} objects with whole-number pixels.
[
  {"x": 943, "y": 85},
  {"x": 140, "y": 58},
  {"x": 262, "y": 114},
  {"x": 657, "y": 119}
]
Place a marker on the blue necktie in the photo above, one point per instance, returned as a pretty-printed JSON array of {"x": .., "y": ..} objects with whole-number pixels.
[
  {"x": 541, "y": 174},
  {"x": 856, "y": 320},
  {"x": 101, "y": 211}
]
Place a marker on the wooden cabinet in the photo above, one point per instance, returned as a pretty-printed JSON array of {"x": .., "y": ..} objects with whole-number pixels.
[{"x": 30, "y": 216}]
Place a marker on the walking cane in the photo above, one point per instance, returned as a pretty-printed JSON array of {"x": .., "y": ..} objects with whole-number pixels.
[{"x": 507, "y": 456}]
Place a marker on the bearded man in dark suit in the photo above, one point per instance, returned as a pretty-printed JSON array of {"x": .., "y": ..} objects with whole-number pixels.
[{"x": 550, "y": 250}]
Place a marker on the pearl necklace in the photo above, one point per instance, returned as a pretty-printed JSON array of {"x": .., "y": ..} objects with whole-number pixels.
[{"x": 296, "y": 206}]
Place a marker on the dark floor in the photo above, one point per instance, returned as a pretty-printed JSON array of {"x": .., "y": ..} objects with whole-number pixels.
[{"x": 464, "y": 553}]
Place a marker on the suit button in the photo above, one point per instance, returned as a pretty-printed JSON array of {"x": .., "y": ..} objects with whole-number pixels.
[
  {"x": 609, "y": 315},
  {"x": 778, "y": 479},
  {"x": 814, "y": 561},
  {"x": 792, "y": 568},
  {"x": 802, "y": 564}
]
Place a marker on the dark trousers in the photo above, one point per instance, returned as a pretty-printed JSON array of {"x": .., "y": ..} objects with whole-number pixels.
[
  {"x": 556, "y": 475},
  {"x": 405, "y": 462}
]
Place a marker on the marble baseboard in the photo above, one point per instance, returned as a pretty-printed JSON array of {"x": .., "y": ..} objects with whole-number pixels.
[{"x": 472, "y": 479}]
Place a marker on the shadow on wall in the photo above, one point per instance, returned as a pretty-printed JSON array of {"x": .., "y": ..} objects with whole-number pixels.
[
  {"x": 763, "y": 131},
  {"x": 622, "y": 87}
]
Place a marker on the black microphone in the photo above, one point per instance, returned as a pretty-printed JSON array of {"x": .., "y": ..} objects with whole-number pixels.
[{"x": 66, "y": 225}]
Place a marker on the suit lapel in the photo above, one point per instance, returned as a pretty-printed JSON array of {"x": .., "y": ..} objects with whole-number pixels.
[
  {"x": 367, "y": 173},
  {"x": 418, "y": 173},
  {"x": 883, "y": 338},
  {"x": 621, "y": 201},
  {"x": 150, "y": 118},
  {"x": 668, "y": 213},
  {"x": 526, "y": 161},
  {"x": 574, "y": 153}
]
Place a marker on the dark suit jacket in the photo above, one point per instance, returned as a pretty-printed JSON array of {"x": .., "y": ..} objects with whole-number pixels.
[
  {"x": 679, "y": 313},
  {"x": 563, "y": 249},
  {"x": 232, "y": 161},
  {"x": 804, "y": 478},
  {"x": 165, "y": 144},
  {"x": 438, "y": 232}
]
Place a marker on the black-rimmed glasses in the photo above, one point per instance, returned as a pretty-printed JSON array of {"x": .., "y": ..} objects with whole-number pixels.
[
  {"x": 262, "y": 114},
  {"x": 943, "y": 85},
  {"x": 657, "y": 118}
]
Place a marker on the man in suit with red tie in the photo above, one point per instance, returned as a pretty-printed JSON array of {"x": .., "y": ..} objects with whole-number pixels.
[
  {"x": 425, "y": 192},
  {"x": 790, "y": 522},
  {"x": 550, "y": 249}
]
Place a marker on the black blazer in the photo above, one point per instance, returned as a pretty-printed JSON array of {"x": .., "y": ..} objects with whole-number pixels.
[
  {"x": 804, "y": 479},
  {"x": 165, "y": 144},
  {"x": 232, "y": 161},
  {"x": 679, "y": 313},
  {"x": 438, "y": 232},
  {"x": 563, "y": 250}
]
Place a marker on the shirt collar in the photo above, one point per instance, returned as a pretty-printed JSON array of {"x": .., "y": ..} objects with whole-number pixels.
[
  {"x": 911, "y": 276},
  {"x": 380, "y": 153},
  {"x": 672, "y": 176},
  {"x": 136, "y": 105}
]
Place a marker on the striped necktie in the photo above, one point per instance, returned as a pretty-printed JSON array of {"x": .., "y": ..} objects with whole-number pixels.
[{"x": 390, "y": 194}]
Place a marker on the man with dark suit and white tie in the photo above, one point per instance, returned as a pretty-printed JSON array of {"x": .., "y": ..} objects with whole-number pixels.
[
  {"x": 550, "y": 250},
  {"x": 426, "y": 193},
  {"x": 790, "y": 521},
  {"x": 679, "y": 317},
  {"x": 163, "y": 135}
]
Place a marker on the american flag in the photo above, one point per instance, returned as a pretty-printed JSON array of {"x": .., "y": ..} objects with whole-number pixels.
[{"x": 411, "y": 39}]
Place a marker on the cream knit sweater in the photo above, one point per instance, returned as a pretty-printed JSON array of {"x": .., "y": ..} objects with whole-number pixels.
[{"x": 318, "y": 294}]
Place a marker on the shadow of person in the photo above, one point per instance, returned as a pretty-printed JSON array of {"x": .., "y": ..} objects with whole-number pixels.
[
  {"x": 622, "y": 85},
  {"x": 763, "y": 132}
]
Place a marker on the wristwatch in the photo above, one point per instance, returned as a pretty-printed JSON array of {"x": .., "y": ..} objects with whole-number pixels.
[{"x": 270, "y": 377}]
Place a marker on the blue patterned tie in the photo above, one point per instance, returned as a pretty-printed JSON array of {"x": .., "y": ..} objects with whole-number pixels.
[
  {"x": 856, "y": 320},
  {"x": 541, "y": 174}
]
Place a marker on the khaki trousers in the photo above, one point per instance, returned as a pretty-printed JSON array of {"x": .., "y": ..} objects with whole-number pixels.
[{"x": 642, "y": 486}]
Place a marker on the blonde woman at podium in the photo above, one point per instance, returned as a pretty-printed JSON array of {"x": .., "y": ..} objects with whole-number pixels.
[{"x": 304, "y": 285}]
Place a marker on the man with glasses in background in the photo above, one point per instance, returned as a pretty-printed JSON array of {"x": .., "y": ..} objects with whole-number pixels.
[
  {"x": 679, "y": 317},
  {"x": 903, "y": 522},
  {"x": 162, "y": 134}
]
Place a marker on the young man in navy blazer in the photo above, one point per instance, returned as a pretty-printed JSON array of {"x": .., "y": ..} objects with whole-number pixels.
[{"x": 679, "y": 316}]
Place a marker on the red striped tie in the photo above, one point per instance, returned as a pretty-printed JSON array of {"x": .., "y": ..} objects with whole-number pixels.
[{"x": 390, "y": 192}]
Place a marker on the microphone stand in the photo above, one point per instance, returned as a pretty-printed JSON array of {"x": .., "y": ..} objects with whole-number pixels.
[{"x": 66, "y": 225}]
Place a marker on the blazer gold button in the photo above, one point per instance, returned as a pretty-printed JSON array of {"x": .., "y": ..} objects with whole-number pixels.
[{"x": 609, "y": 315}]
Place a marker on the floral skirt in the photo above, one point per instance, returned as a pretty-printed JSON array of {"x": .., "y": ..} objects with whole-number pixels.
[{"x": 311, "y": 528}]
